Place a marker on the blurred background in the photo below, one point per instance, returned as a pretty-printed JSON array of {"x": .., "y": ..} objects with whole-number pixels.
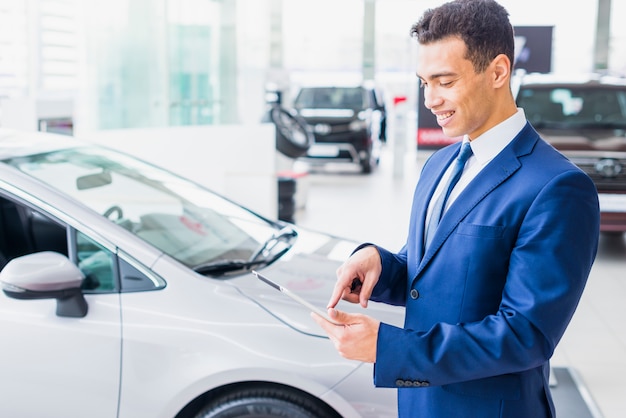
[{"x": 89, "y": 65}]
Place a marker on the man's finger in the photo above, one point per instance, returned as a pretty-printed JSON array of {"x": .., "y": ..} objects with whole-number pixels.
[
  {"x": 335, "y": 297},
  {"x": 342, "y": 292}
]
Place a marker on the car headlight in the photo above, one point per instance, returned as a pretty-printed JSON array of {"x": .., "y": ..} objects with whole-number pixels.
[{"x": 358, "y": 125}]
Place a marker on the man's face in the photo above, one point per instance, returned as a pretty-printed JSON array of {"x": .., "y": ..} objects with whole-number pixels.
[{"x": 462, "y": 99}]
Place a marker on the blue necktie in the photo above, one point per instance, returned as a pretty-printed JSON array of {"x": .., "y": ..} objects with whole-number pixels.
[{"x": 440, "y": 204}]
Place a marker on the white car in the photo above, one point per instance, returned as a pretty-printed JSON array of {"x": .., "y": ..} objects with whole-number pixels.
[{"x": 127, "y": 293}]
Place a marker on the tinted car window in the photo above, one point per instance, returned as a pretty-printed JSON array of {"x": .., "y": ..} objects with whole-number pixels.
[
  {"x": 26, "y": 231},
  {"x": 573, "y": 107},
  {"x": 330, "y": 98}
]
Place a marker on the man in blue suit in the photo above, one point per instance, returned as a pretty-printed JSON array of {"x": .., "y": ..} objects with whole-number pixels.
[{"x": 490, "y": 295}]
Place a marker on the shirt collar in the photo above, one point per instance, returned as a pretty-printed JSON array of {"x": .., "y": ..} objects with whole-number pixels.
[{"x": 489, "y": 144}]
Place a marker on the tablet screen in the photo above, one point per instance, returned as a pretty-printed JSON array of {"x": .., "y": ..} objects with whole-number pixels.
[{"x": 295, "y": 297}]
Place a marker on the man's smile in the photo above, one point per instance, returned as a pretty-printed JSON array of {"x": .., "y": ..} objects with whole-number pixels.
[{"x": 443, "y": 116}]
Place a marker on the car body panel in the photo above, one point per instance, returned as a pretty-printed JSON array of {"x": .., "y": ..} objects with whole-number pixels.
[
  {"x": 235, "y": 328},
  {"x": 59, "y": 365}
]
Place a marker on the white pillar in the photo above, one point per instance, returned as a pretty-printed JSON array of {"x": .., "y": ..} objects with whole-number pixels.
[{"x": 399, "y": 121}]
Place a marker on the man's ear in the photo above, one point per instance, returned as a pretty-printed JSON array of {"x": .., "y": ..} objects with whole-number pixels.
[{"x": 501, "y": 71}]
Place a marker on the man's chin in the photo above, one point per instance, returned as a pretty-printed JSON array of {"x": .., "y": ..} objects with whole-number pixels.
[{"x": 451, "y": 133}]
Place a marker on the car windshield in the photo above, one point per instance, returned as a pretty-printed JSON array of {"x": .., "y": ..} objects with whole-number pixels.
[
  {"x": 574, "y": 107},
  {"x": 330, "y": 98},
  {"x": 180, "y": 218}
]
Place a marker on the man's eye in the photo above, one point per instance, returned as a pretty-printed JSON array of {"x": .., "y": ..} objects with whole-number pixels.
[{"x": 445, "y": 84}]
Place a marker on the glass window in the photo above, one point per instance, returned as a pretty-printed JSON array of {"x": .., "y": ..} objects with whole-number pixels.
[
  {"x": 174, "y": 215},
  {"x": 574, "y": 106},
  {"x": 14, "y": 50},
  {"x": 26, "y": 231},
  {"x": 330, "y": 98},
  {"x": 153, "y": 63},
  {"x": 97, "y": 264}
]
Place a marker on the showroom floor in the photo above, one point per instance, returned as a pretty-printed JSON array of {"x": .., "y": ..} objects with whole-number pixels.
[{"x": 340, "y": 200}]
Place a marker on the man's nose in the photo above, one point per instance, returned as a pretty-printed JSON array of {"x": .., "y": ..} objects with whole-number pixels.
[{"x": 431, "y": 98}]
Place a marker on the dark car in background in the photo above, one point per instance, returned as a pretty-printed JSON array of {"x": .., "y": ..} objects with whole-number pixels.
[
  {"x": 348, "y": 123},
  {"x": 584, "y": 117}
]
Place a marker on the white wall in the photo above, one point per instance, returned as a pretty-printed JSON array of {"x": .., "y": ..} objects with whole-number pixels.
[{"x": 236, "y": 161}]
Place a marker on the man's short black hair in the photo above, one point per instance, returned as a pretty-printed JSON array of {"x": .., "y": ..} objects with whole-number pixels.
[{"x": 482, "y": 24}]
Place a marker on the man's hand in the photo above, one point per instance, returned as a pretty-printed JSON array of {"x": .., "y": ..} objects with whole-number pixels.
[
  {"x": 356, "y": 277},
  {"x": 356, "y": 339}
]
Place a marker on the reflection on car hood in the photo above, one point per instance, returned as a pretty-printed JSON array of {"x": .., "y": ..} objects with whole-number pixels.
[
  {"x": 310, "y": 273},
  {"x": 590, "y": 140},
  {"x": 327, "y": 113}
]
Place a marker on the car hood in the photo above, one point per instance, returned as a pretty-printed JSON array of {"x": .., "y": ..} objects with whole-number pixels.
[
  {"x": 322, "y": 115},
  {"x": 601, "y": 140},
  {"x": 308, "y": 270}
]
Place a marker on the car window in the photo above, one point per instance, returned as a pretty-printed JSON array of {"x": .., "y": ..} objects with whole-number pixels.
[
  {"x": 331, "y": 98},
  {"x": 574, "y": 106},
  {"x": 97, "y": 264},
  {"x": 24, "y": 230},
  {"x": 105, "y": 272},
  {"x": 174, "y": 215}
]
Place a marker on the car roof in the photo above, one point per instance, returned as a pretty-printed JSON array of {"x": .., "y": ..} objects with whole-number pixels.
[
  {"x": 557, "y": 79},
  {"x": 336, "y": 86},
  {"x": 19, "y": 143}
]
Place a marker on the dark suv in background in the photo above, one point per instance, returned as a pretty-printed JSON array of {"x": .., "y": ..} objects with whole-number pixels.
[
  {"x": 584, "y": 118},
  {"x": 348, "y": 123}
]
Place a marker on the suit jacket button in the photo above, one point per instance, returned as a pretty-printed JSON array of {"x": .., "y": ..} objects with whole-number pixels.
[
  {"x": 399, "y": 382},
  {"x": 414, "y": 294}
]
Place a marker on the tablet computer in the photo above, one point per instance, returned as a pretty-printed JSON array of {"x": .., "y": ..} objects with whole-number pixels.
[{"x": 295, "y": 297}]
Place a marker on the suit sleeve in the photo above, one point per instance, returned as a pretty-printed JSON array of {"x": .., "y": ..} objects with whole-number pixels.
[
  {"x": 548, "y": 268},
  {"x": 391, "y": 287}
]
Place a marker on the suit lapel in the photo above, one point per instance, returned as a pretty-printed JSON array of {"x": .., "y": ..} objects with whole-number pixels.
[
  {"x": 493, "y": 175},
  {"x": 428, "y": 183}
]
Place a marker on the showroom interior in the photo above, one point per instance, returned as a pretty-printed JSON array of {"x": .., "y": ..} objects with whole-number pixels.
[{"x": 188, "y": 85}]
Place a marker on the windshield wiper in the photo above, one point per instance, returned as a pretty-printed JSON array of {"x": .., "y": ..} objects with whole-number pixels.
[
  {"x": 225, "y": 266},
  {"x": 284, "y": 233},
  {"x": 217, "y": 268}
]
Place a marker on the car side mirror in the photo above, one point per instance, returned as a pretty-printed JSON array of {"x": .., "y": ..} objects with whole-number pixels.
[{"x": 46, "y": 275}]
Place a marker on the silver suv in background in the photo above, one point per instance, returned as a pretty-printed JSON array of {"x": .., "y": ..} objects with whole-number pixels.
[
  {"x": 348, "y": 123},
  {"x": 584, "y": 117}
]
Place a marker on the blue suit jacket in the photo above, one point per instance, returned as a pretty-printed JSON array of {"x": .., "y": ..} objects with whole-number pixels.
[{"x": 489, "y": 300}]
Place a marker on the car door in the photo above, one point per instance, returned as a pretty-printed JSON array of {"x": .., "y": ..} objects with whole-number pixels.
[{"x": 54, "y": 366}]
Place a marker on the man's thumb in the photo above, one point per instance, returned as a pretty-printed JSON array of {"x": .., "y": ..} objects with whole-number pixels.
[{"x": 339, "y": 316}]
